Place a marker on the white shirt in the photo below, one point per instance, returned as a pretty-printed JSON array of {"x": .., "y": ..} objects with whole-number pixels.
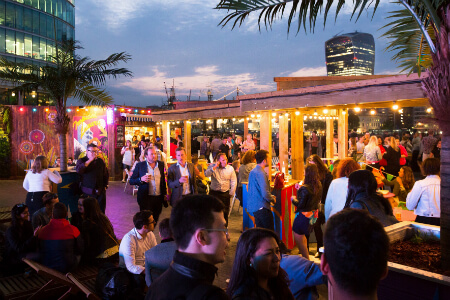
[
  {"x": 360, "y": 147},
  {"x": 41, "y": 182},
  {"x": 127, "y": 157},
  {"x": 425, "y": 197},
  {"x": 155, "y": 184},
  {"x": 185, "y": 172},
  {"x": 132, "y": 250},
  {"x": 336, "y": 196},
  {"x": 222, "y": 179}
]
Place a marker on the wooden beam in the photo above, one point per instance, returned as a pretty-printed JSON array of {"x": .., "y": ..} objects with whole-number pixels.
[
  {"x": 343, "y": 133},
  {"x": 245, "y": 129},
  {"x": 265, "y": 135},
  {"x": 284, "y": 141},
  {"x": 297, "y": 163},
  {"x": 329, "y": 139},
  {"x": 187, "y": 138},
  {"x": 166, "y": 138}
]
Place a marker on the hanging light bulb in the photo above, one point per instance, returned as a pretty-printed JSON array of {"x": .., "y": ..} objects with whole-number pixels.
[
  {"x": 297, "y": 113},
  {"x": 315, "y": 112},
  {"x": 286, "y": 114},
  {"x": 395, "y": 106},
  {"x": 357, "y": 109},
  {"x": 429, "y": 110},
  {"x": 274, "y": 114},
  {"x": 325, "y": 111},
  {"x": 372, "y": 111}
]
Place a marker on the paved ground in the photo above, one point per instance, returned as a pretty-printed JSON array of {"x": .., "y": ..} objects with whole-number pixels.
[{"x": 120, "y": 208}]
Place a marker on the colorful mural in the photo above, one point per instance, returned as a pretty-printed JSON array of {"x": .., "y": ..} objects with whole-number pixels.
[{"x": 90, "y": 128}]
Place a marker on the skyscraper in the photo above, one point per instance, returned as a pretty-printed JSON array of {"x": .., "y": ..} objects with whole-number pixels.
[
  {"x": 27, "y": 34},
  {"x": 350, "y": 54}
]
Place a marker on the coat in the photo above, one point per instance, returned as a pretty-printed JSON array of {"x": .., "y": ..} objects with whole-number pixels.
[
  {"x": 140, "y": 170},
  {"x": 173, "y": 177}
]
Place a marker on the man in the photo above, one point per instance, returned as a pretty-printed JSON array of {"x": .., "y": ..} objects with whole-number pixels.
[
  {"x": 215, "y": 144},
  {"x": 149, "y": 176},
  {"x": 276, "y": 144},
  {"x": 94, "y": 175},
  {"x": 158, "y": 258},
  {"x": 135, "y": 243},
  {"x": 223, "y": 181},
  {"x": 225, "y": 148},
  {"x": 356, "y": 254},
  {"x": 428, "y": 144},
  {"x": 195, "y": 146},
  {"x": 366, "y": 138},
  {"x": 70, "y": 162},
  {"x": 161, "y": 155},
  {"x": 181, "y": 178},
  {"x": 60, "y": 243},
  {"x": 200, "y": 232},
  {"x": 43, "y": 216},
  {"x": 259, "y": 197}
]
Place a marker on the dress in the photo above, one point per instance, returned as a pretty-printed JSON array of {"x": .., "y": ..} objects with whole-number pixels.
[
  {"x": 307, "y": 206},
  {"x": 184, "y": 275},
  {"x": 37, "y": 185},
  {"x": 127, "y": 160}
]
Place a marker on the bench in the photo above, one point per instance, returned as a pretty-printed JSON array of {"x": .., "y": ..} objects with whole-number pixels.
[{"x": 45, "y": 282}]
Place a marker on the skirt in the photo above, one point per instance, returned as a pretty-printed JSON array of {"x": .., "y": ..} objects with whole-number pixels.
[{"x": 304, "y": 222}]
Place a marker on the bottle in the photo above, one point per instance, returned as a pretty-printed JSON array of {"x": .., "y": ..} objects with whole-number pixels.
[{"x": 283, "y": 169}]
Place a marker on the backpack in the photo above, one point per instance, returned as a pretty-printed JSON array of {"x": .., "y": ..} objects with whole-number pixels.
[
  {"x": 114, "y": 283},
  {"x": 278, "y": 181}
]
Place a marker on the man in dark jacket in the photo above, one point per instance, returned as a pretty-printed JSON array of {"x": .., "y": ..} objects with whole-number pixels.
[
  {"x": 199, "y": 231},
  {"x": 149, "y": 176},
  {"x": 60, "y": 244},
  {"x": 94, "y": 175},
  {"x": 181, "y": 177}
]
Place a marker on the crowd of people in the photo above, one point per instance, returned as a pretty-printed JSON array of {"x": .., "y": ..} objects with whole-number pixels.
[{"x": 195, "y": 238}]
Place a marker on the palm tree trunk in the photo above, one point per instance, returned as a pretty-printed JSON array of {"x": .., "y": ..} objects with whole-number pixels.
[
  {"x": 437, "y": 88},
  {"x": 63, "y": 151}
]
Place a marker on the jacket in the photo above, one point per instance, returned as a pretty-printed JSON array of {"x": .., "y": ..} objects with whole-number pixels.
[
  {"x": 306, "y": 200},
  {"x": 425, "y": 197},
  {"x": 140, "y": 170},
  {"x": 377, "y": 206},
  {"x": 93, "y": 177},
  {"x": 183, "y": 276},
  {"x": 19, "y": 242},
  {"x": 60, "y": 245},
  {"x": 173, "y": 177},
  {"x": 244, "y": 171},
  {"x": 259, "y": 195},
  {"x": 158, "y": 259}
]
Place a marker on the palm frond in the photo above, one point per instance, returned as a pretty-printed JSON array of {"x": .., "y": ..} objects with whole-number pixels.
[
  {"x": 306, "y": 11},
  {"x": 91, "y": 95}
]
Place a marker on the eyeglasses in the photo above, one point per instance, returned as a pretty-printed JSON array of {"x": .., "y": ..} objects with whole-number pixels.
[
  {"x": 93, "y": 151},
  {"x": 223, "y": 230}
]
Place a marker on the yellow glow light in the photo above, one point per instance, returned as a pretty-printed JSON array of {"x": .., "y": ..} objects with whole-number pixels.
[{"x": 297, "y": 113}]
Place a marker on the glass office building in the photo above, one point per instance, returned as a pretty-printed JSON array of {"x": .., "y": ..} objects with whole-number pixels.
[
  {"x": 350, "y": 54},
  {"x": 28, "y": 31}
]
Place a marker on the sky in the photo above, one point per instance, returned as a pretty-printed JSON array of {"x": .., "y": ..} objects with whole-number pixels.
[{"x": 180, "y": 41}]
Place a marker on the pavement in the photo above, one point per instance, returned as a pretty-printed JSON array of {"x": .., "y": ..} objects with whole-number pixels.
[{"x": 122, "y": 205}]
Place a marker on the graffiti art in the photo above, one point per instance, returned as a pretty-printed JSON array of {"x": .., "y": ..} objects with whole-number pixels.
[
  {"x": 26, "y": 147},
  {"x": 37, "y": 136}
]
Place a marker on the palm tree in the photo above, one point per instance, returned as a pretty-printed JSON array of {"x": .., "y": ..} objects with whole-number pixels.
[
  {"x": 68, "y": 75},
  {"x": 420, "y": 36}
]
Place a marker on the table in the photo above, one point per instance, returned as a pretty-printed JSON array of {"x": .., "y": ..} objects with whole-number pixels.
[{"x": 283, "y": 211}]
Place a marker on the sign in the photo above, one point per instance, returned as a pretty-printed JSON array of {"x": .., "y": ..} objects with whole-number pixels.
[{"x": 120, "y": 136}]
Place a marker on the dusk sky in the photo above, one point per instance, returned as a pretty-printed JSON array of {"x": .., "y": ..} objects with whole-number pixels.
[{"x": 180, "y": 40}]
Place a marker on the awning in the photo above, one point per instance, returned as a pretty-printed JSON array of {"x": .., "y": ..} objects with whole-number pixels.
[{"x": 137, "y": 118}]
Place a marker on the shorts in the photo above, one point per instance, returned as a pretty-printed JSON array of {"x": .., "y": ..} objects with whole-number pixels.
[{"x": 124, "y": 166}]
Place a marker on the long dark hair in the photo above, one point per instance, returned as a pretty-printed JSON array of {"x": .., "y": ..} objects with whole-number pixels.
[
  {"x": 93, "y": 213},
  {"x": 16, "y": 211},
  {"x": 323, "y": 170},
  {"x": 363, "y": 181},
  {"x": 242, "y": 272},
  {"x": 312, "y": 179}
]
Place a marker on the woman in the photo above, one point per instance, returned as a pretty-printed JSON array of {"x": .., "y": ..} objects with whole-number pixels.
[
  {"x": 307, "y": 208},
  {"x": 372, "y": 153},
  {"x": 425, "y": 195},
  {"x": 78, "y": 216},
  {"x": 392, "y": 157},
  {"x": 128, "y": 158},
  {"x": 237, "y": 148},
  {"x": 256, "y": 273},
  {"x": 325, "y": 178},
  {"x": 134, "y": 141},
  {"x": 248, "y": 144},
  {"x": 403, "y": 152},
  {"x": 362, "y": 194},
  {"x": 204, "y": 147},
  {"x": 20, "y": 239},
  {"x": 248, "y": 163},
  {"x": 337, "y": 191},
  {"x": 437, "y": 149},
  {"x": 403, "y": 184},
  {"x": 100, "y": 243},
  {"x": 314, "y": 140},
  {"x": 38, "y": 182},
  {"x": 352, "y": 148}
]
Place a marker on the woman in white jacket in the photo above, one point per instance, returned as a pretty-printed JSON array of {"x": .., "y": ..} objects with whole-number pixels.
[
  {"x": 425, "y": 196},
  {"x": 38, "y": 182}
]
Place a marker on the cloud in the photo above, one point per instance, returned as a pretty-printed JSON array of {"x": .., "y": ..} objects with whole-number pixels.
[
  {"x": 203, "y": 77},
  {"x": 305, "y": 72},
  {"x": 391, "y": 72}
]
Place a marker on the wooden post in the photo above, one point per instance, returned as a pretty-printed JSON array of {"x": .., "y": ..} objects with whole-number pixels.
[
  {"x": 284, "y": 141},
  {"x": 187, "y": 138},
  {"x": 158, "y": 131},
  {"x": 330, "y": 138},
  {"x": 265, "y": 127},
  {"x": 343, "y": 133},
  {"x": 297, "y": 163},
  {"x": 245, "y": 129},
  {"x": 166, "y": 137}
]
